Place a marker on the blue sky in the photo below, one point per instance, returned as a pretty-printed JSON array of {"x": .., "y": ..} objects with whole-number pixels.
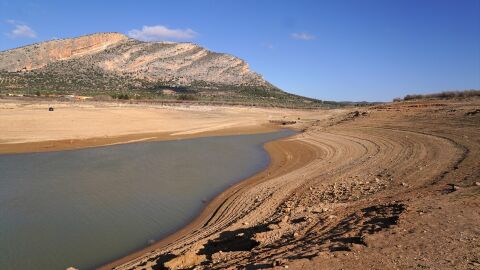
[{"x": 334, "y": 50}]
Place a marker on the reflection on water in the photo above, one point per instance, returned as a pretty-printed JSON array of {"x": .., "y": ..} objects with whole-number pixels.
[{"x": 86, "y": 207}]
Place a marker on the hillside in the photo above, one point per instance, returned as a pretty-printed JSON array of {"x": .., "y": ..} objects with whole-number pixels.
[{"x": 113, "y": 64}]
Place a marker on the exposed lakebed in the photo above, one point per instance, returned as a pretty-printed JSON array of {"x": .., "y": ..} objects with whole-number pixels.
[{"x": 86, "y": 207}]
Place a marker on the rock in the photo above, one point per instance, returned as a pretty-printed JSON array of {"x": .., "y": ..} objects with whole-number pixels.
[
  {"x": 404, "y": 184},
  {"x": 477, "y": 184},
  {"x": 453, "y": 187},
  {"x": 273, "y": 226},
  {"x": 188, "y": 260},
  {"x": 354, "y": 113},
  {"x": 117, "y": 54},
  {"x": 279, "y": 262},
  {"x": 71, "y": 268},
  {"x": 472, "y": 112}
]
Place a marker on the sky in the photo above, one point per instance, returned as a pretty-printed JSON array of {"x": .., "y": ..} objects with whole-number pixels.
[{"x": 372, "y": 50}]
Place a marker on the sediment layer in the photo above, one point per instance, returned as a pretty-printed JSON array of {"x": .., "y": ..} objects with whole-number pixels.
[{"x": 360, "y": 190}]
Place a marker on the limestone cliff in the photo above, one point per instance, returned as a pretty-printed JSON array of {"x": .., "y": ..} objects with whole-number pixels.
[{"x": 114, "y": 54}]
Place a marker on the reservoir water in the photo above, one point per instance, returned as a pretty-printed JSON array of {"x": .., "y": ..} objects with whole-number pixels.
[{"x": 83, "y": 208}]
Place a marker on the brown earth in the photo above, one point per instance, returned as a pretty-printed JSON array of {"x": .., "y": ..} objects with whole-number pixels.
[
  {"x": 388, "y": 187},
  {"x": 360, "y": 190}
]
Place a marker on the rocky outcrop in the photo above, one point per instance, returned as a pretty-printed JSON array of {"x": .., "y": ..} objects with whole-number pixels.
[
  {"x": 177, "y": 64},
  {"x": 39, "y": 55}
]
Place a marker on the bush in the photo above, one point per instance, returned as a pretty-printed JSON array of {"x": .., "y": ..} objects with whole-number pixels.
[
  {"x": 445, "y": 95},
  {"x": 120, "y": 96},
  {"x": 186, "y": 97}
]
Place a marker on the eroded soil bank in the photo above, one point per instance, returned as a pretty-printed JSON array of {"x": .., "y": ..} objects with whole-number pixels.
[{"x": 387, "y": 187}]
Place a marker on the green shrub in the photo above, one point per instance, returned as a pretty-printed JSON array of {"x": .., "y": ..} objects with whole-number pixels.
[{"x": 186, "y": 97}]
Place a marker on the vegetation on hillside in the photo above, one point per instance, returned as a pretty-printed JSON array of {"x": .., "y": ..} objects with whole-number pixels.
[
  {"x": 97, "y": 83},
  {"x": 442, "y": 95}
]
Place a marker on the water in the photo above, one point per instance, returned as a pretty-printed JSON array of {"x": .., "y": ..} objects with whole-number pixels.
[{"x": 86, "y": 207}]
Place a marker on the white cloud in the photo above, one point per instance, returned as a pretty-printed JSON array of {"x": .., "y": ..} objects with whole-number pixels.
[
  {"x": 267, "y": 45},
  {"x": 302, "y": 36},
  {"x": 160, "y": 32},
  {"x": 21, "y": 30}
]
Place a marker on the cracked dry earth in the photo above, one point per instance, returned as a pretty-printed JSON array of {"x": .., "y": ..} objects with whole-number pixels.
[{"x": 396, "y": 187}]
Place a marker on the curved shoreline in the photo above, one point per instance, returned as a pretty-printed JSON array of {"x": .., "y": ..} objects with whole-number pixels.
[
  {"x": 328, "y": 191},
  {"x": 280, "y": 163},
  {"x": 278, "y": 150}
]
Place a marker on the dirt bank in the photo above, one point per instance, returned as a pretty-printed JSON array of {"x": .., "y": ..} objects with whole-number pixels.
[
  {"x": 395, "y": 187},
  {"x": 388, "y": 187}
]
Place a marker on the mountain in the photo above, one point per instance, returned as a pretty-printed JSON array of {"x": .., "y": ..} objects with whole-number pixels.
[{"x": 112, "y": 63}]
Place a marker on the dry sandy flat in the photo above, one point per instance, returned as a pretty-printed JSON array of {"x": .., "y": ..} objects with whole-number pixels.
[{"x": 29, "y": 126}]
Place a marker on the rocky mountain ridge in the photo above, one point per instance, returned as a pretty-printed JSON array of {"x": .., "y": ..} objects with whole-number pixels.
[
  {"x": 173, "y": 64},
  {"x": 39, "y": 55},
  {"x": 113, "y": 65}
]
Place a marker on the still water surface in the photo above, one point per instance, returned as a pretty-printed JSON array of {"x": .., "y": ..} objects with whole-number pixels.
[{"x": 86, "y": 207}]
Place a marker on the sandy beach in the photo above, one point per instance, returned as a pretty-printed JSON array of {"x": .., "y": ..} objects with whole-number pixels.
[
  {"x": 337, "y": 194},
  {"x": 31, "y": 127}
]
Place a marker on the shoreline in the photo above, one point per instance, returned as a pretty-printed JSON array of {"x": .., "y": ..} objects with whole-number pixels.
[
  {"x": 351, "y": 183},
  {"x": 280, "y": 163},
  {"x": 276, "y": 150},
  {"x": 75, "y": 144}
]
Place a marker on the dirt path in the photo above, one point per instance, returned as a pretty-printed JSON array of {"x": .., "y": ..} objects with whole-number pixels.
[{"x": 352, "y": 192}]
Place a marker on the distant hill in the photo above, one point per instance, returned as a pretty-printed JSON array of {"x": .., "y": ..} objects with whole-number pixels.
[{"x": 114, "y": 64}]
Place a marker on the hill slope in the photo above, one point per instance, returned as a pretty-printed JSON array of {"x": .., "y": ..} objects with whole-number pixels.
[{"x": 107, "y": 63}]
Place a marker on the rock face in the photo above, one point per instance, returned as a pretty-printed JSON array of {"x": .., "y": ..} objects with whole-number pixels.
[
  {"x": 114, "y": 54},
  {"x": 39, "y": 55}
]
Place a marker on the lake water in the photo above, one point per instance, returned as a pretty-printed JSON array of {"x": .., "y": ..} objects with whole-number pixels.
[{"x": 86, "y": 207}]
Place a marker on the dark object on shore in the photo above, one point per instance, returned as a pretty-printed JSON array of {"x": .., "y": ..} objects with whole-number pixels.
[
  {"x": 50, "y": 109},
  {"x": 283, "y": 122},
  {"x": 357, "y": 114},
  {"x": 453, "y": 187}
]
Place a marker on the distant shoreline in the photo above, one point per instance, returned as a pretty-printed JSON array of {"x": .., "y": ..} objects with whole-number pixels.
[
  {"x": 27, "y": 126},
  {"x": 74, "y": 144}
]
